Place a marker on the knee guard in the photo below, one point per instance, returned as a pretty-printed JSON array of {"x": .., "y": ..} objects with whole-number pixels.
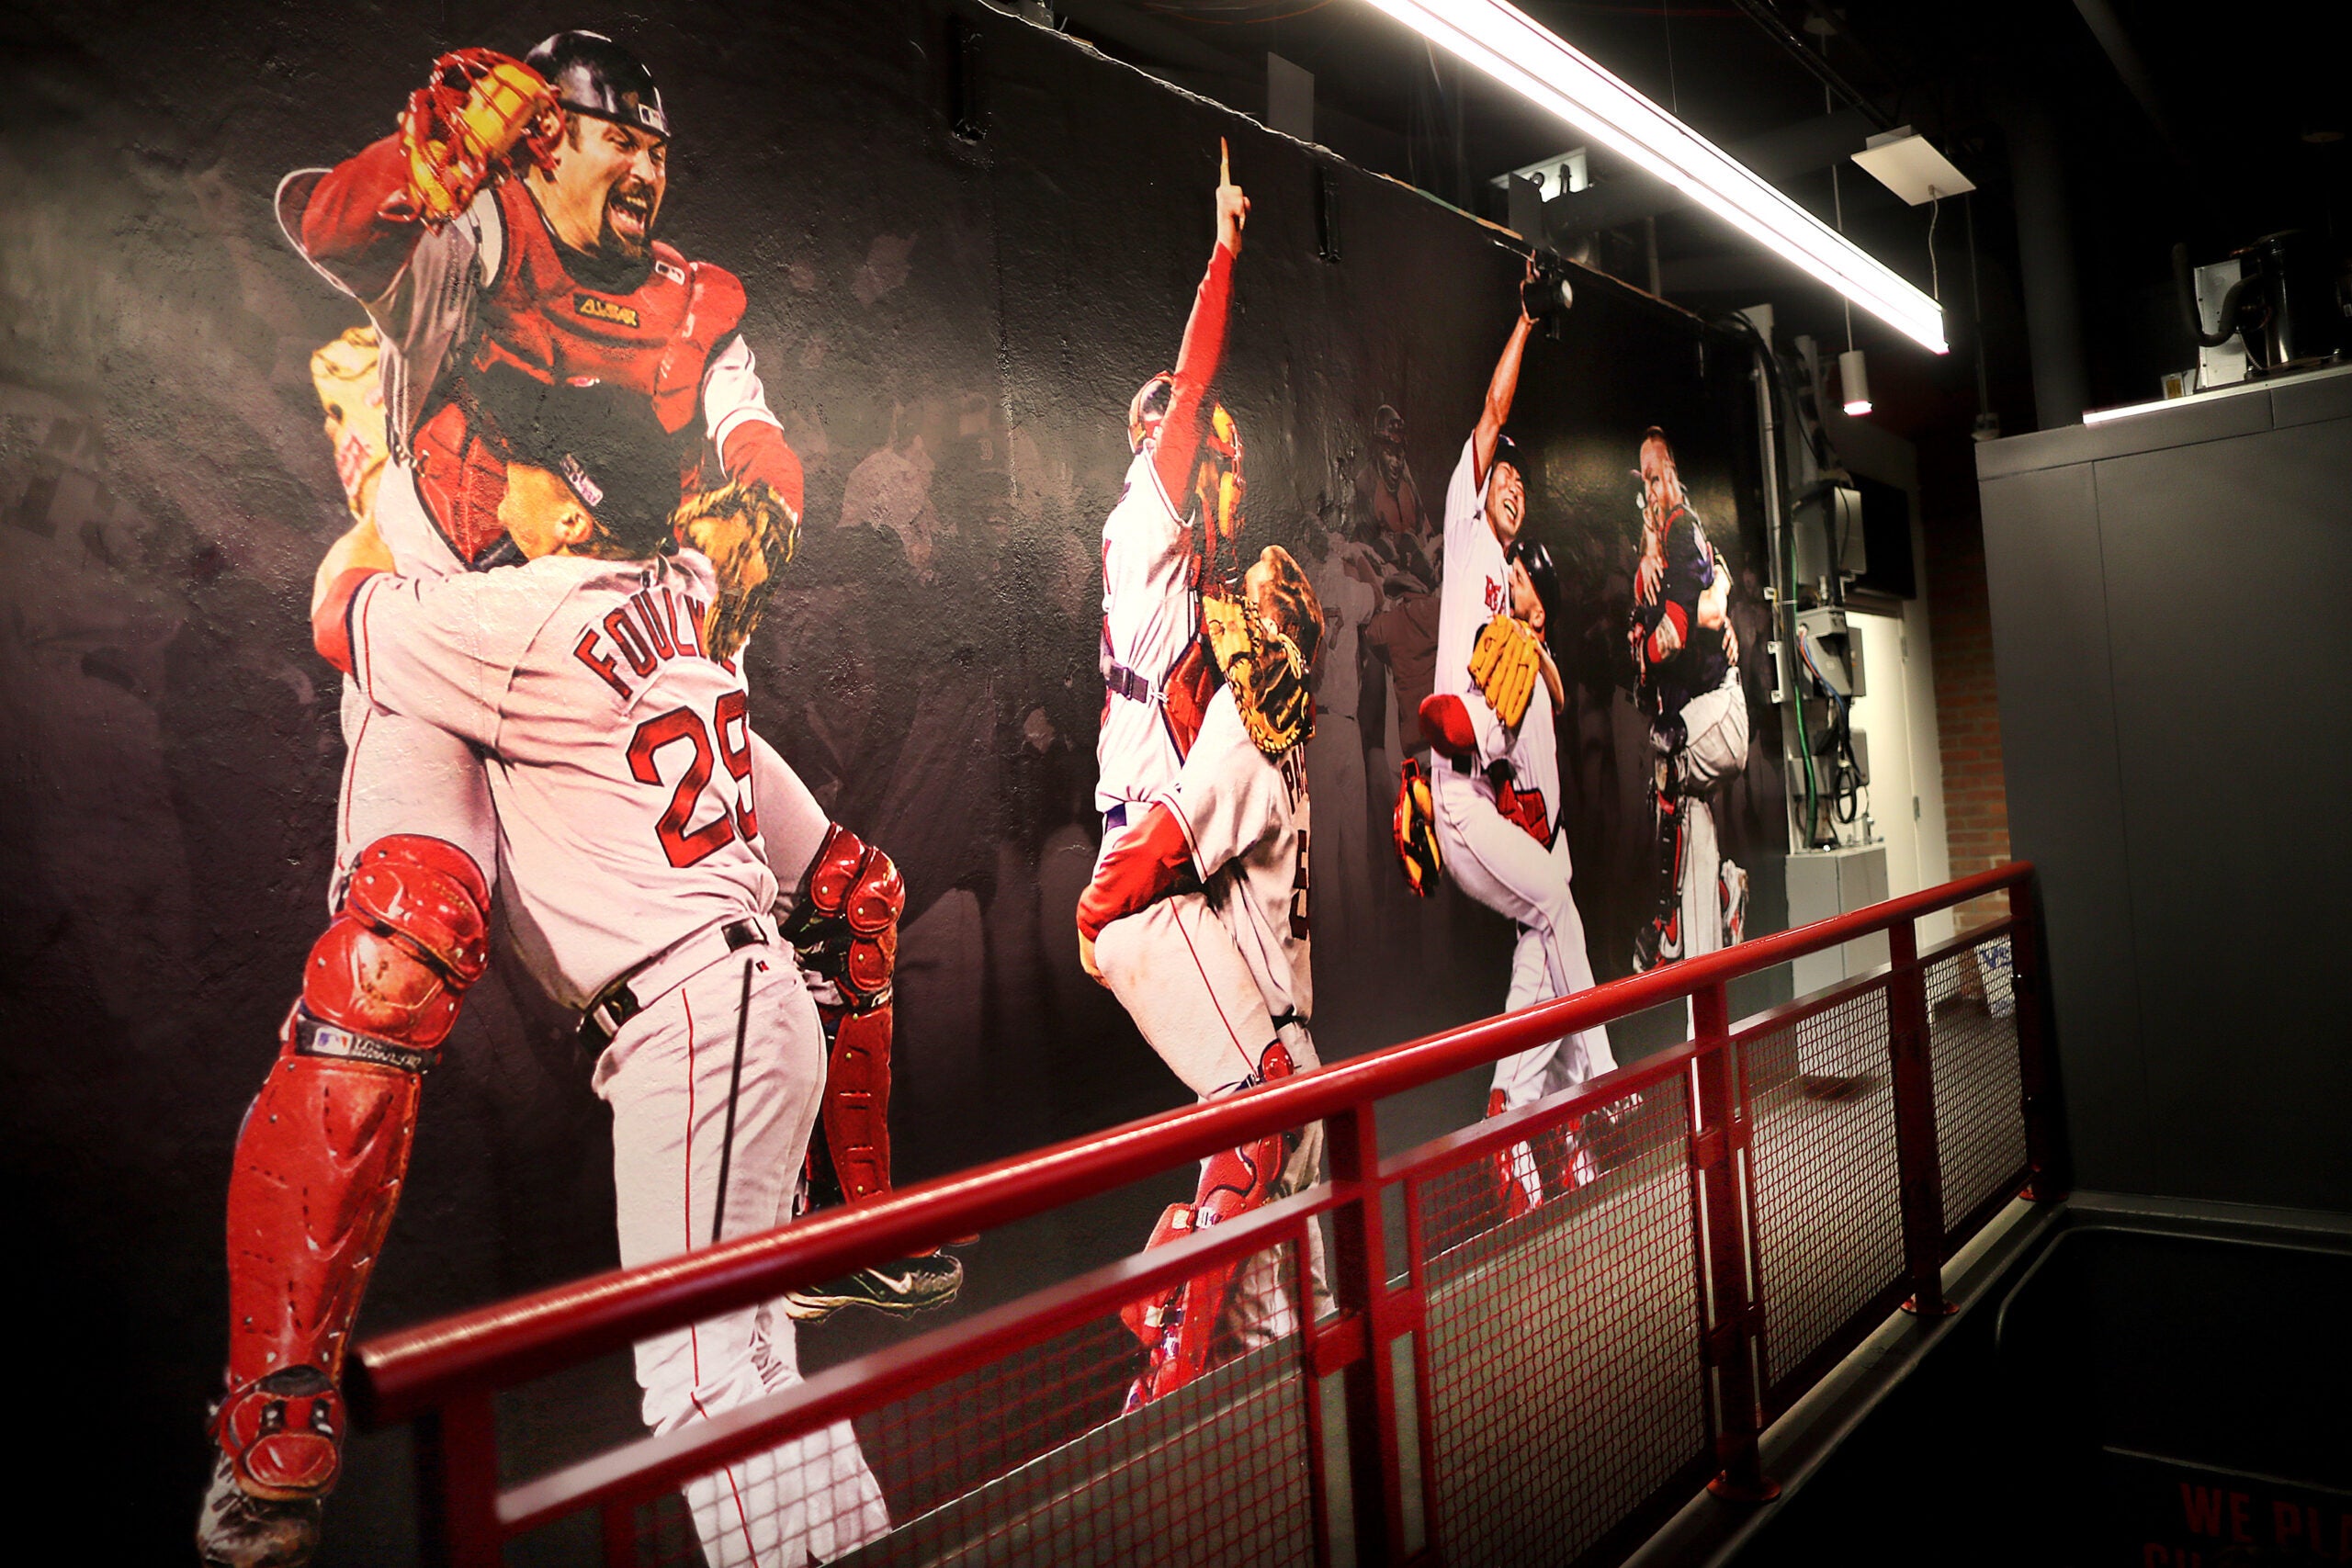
[
  {"x": 844, "y": 926},
  {"x": 412, "y": 934},
  {"x": 324, "y": 1148},
  {"x": 1179, "y": 1325}
]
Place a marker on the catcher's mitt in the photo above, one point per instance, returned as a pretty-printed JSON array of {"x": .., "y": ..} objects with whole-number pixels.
[
  {"x": 1507, "y": 663},
  {"x": 749, "y": 534},
  {"x": 1415, "y": 826},
  {"x": 1266, "y": 670},
  {"x": 470, "y": 121}
]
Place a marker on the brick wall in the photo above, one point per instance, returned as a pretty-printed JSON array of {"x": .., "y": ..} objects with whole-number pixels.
[{"x": 1976, "y": 809}]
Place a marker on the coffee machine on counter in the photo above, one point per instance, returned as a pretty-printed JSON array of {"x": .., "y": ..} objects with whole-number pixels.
[{"x": 2277, "y": 305}]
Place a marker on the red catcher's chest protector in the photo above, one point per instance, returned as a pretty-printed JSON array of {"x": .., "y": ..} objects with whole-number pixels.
[{"x": 629, "y": 366}]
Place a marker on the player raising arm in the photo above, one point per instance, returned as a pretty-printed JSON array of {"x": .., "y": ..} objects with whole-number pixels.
[
  {"x": 1198, "y": 922},
  {"x": 617, "y": 733},
  {"x": 1496, "y": 795},
  {"x": 1185, "y": 445}
]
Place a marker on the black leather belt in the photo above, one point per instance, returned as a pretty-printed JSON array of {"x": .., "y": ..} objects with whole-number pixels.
[
  {"x": 638, "y": 988},
  {"x": 1125, "y": 682}
]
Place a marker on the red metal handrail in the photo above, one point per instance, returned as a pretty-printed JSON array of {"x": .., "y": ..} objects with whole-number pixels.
[{"x": 404, "y": 1374}]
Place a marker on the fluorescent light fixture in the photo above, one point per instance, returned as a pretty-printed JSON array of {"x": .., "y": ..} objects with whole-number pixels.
[
  {"x": 1907, "y": 163},
  {"x": 1504, "y": 42},
  {"x": 1854, "y": 382}
]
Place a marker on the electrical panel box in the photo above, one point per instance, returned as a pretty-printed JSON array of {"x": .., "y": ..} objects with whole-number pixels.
[
  {"x": 1831, "y": 648},
  {"x": 1829, "y": 533},
  {"x": 1823, "y": 883}
]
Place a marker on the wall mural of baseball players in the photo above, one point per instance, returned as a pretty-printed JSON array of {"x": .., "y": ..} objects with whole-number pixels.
[{"x": 819, "y": 647}]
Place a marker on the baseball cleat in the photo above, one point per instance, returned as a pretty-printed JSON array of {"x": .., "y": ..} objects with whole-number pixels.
[
  {"x": 900, "y": 1289},
  {"x": 1577, "y": 1166},
  {"x": 1519, "y": 1185},
  {"x": 235, "y": 1529},
  {"x": 1604, "y": 1137},
  {"x": 281, "y": 1437},
  {"x": 1660, "y": 942}
]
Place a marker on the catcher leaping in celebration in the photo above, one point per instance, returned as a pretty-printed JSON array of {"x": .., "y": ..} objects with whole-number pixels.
[{"x": 501, "y": 241}]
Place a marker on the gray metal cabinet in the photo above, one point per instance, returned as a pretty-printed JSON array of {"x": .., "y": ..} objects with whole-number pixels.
[{"x": 2171, "y": 634}]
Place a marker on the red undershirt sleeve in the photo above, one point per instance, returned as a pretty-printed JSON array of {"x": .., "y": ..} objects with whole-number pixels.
[
  {"x": 757, "y": 450},
  {"x": 359, "y": 224},
  {"x": 1445, "y": 721},
  {"x": 1146, "y": 864},
  {"x": 330, "y": 622},
  {"x": 1196, "y": 368},
  {"x": 1681, "y": 619}
]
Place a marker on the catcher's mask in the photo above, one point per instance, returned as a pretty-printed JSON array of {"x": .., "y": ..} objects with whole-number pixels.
[
  {"x": 1148, "y": 408},
  {"x": 1217, "y": 483},
  {"x": 591, "y": 75}
]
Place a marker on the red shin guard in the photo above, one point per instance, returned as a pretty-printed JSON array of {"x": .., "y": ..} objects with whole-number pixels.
[
  {"x": 856, "y": 1107},
  {"x": 318, "y": 1170},
  {"x": 1181, "y": 1324},
  {"x": 324, "y": 1149}
]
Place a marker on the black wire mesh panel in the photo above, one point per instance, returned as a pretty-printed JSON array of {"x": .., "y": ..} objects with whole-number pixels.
[
  {"x": 1827, "y": 1193},
  {"x": 1972, "y": 1044},
  {"x": 1566, "y": 1385},
  {"x": 1032, "y": 1460}
]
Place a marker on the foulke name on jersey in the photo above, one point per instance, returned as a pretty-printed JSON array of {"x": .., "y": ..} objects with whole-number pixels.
[{"x": 618, "y": 751}]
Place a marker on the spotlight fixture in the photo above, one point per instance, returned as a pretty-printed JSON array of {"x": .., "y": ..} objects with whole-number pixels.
[
  {"x": 1854, "y": 379},
  {"x": 1508, "y": 45}
]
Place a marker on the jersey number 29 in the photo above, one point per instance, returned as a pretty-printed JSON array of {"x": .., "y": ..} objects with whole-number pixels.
[{"x": 730, "y": 723}]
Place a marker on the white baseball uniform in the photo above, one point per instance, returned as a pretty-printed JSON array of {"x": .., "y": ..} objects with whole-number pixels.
[
  {"x": 1149, "y": 613},
  {"x": 1491, "y": 857},
  {"x": 620, "y": 767},
  {"x": 1213, "y": 977},
  {"x": 401, "y": 776}
]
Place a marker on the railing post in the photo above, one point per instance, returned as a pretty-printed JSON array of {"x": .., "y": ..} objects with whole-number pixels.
[
  {"x": 2029, "y": 991},
  {"x": 1918, "y": 1163},
  {"x": 1730, "y": 1350},
  {"x": 456, "y": 1484},
  {"x": 1359, "y": 1288}
]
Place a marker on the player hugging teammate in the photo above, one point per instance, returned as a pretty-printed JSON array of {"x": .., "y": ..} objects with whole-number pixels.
[
  {"x": 559, "y": 387},
  {"x": 1494, "y": 798},
  {"x": 1686, "y": 663},
  {"x": 1196, "y": 916}
]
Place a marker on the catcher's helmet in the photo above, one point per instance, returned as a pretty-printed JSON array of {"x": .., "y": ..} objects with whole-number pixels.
[
  {"x": 1541, "y": 573},
  {"x": 592, "y": 75}
]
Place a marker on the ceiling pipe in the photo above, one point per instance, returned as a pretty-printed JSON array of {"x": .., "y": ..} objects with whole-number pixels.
[
  {"x": 2053, "y": 321},
  {"x": 1762, "y": 13}
]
